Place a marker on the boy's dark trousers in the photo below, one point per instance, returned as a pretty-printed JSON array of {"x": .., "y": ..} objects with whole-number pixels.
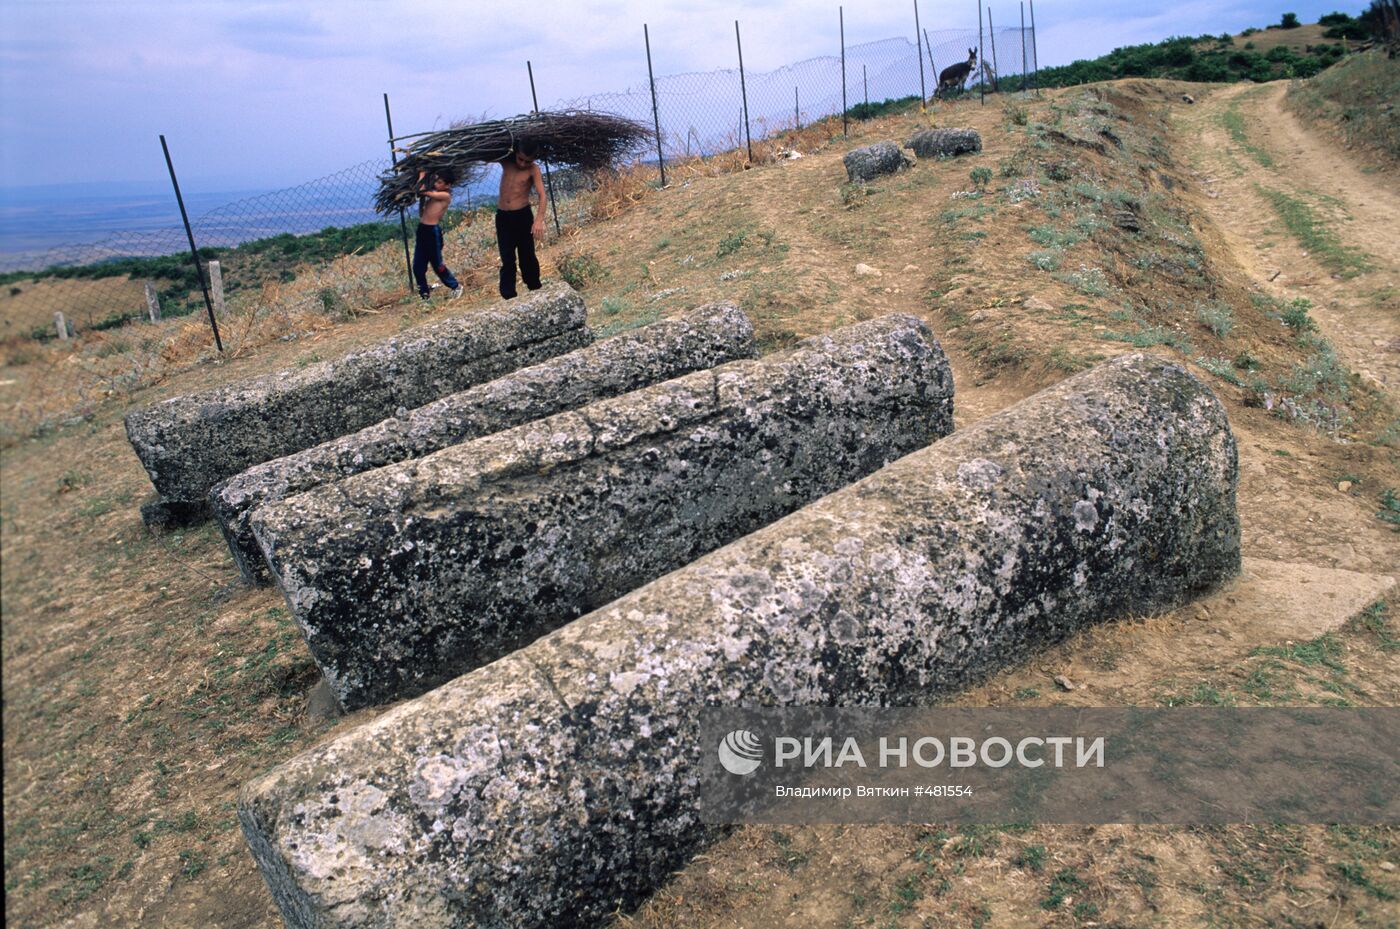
[
  {"x": 427, "y": 249},
  {"x": 513, "y": 235}
]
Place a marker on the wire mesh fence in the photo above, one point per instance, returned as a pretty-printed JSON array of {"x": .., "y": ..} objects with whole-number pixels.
[
  {"x": 91, "y": 282},
  {"x": 78, "y": 303},
  {"x": 702, "y": 113}
]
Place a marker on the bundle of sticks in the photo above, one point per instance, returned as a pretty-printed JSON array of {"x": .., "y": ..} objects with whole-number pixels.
[{"x": 585, "y": 139}]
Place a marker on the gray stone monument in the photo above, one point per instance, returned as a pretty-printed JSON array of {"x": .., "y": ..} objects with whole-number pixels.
[
  {"x": 558, "y": 784},
  {"x": 188, "y": 444},
  {"x": 407, "y": 576},
  {"x": 698, "y": 339}
]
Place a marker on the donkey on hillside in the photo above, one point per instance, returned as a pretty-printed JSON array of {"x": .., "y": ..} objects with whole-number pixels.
[{"x": 956, "y": 76}]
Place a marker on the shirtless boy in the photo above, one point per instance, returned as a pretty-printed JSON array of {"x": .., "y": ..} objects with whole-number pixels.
[
  {"x": 435, "y": 195},
  {"x": 516, "y": 226}
]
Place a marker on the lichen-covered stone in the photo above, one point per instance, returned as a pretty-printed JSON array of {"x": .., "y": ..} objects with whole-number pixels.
[
  {"x": 188, "y": 444},
  {"x": 558, "y": 784},
  {"x": 944, "y": 143},
  {"x": 698, "y": 339},
  {"x": 862, "y": 164},
  {"x": 409, "y": 575}
]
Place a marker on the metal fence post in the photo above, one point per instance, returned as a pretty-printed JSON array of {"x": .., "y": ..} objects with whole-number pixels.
[
  {"x": 1023, "y": 46},
  {"x": 845, "y": 116},
  {"x": 152, "y": 303},
  {"x": 992, "y": 34},
  {"x": 548, "y": 181},
  {"x": 865, "y": 87},
  {"x": 932, "y": 70},
  {"x": 743, "y": 90},
  {"x": 1035, "y": 58},
  {"x": 655, "y": 113},
  {"x": 918, "y": 30},
  {"x": 796, "y": 109},
  {"x": 194, "y": 252},
  {"x": 981, "y": 59},
  {"x": 403, "y": 222},
  {"x": 216, "y": 287}
]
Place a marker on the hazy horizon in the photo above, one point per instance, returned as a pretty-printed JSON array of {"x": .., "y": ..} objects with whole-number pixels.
[{"x": 265, "y": 96}]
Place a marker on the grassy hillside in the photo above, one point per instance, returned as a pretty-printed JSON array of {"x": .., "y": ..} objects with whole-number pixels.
[
  {"x": 1257, "y": 55},
  {"x": 1356, "y": 101},
  {"x": 144, "y": 683},
  {"x": 1083, "y": 212},
  {"x": 246, "y": 266}
]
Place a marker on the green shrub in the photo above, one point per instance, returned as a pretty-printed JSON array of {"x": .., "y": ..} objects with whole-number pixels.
[
  {"x": 114, "y": 321},
  {"x": 1295, "y": 316},
  {"x": 1032, "y": 858},
  {"x": 1221, "y": 368},
  {"x": 1244, "y": 361},
  {"x": 1215, "y": 316},
  {"x": 853, "y": 194},
  {"x": 1321, "y": 374},
  {"x": 579, "y": 269},
  {"x": 883, "y": 108},
  {"x": 1086, "y": 280},
  {"x": 1355, "y": 95},
  {"x": 1148, "y": 337},
  {"x": 333, "y": 303},
  {"x": 731, "y": 243},
  {"x": 1183, "y": 58},
  {"x": 1053, "y": 237},
  {"x": 1390, "y": 508}
]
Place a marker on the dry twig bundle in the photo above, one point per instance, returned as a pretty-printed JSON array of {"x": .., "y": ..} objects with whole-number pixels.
[{"x": 574, "y": 137}]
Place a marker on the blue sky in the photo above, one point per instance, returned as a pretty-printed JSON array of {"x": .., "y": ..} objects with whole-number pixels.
[{"x": 268, "y": 94}]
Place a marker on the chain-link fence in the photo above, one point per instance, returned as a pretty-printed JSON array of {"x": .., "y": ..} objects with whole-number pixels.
[
  {"x": 145, "y": 278},
  {"x": 101, "y": 284},
  {"x": 702, "y": 113}
]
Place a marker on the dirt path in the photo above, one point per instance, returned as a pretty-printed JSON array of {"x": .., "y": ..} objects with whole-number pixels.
[
  {"x": 1279, "y": 153},
  {"x": 1314, "y": 161}
]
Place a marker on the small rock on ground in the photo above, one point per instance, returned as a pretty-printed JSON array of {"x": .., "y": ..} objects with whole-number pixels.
[
  {"x": 944, "y": 143},
  {"x": 862, "y": 164},
  {"x": 321, "y": 703}
]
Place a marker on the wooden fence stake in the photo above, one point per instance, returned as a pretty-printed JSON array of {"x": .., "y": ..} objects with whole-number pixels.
[
  {"x": 152, "y": 303},
  {"x": 216, "y": 287}
]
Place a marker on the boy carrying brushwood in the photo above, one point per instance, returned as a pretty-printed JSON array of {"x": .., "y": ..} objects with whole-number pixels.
[
  {"x": 434, "y": 197},
  {"x": 516, "y": 226}
]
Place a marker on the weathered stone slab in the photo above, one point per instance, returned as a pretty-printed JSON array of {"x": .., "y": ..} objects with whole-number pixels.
[
  {"x": 558, "y": 784},
  {"x": 862, "y": 164},
  {"x": 944, "y": 143},
  {"x": 409, "y": 575},
  {"x": 188, "y": 444},
  {"x": 695, "y": 340}
]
